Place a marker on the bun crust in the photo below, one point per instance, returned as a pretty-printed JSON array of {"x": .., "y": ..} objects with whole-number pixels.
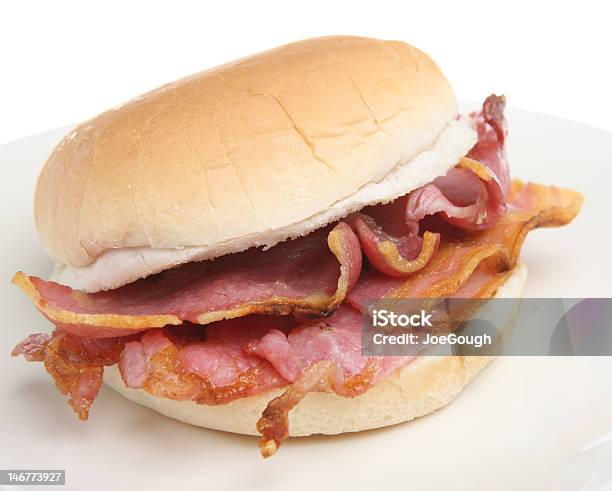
[
  {"x": 118, "y": 267},
  {"x": 423, "y": 386},
  {"x": 221, "y": 158}
]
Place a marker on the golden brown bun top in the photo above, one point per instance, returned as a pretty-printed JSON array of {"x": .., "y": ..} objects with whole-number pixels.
[{"x": 224, "y": 158}]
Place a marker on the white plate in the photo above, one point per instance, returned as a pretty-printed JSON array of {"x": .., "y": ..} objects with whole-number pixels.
[{"x": 525, "y": 423}]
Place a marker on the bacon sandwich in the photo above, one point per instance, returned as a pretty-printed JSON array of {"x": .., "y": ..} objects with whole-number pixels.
[{"x": 216, "y": 239}]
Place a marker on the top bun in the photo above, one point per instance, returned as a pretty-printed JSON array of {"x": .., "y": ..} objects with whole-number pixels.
[{"x": 249, "y": 153}]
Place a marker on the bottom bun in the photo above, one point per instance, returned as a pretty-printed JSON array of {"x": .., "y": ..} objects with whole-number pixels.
[{"x": 426, "y": 384}]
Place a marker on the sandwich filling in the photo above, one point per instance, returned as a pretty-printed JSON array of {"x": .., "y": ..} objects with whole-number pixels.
[{"x": 289, "y": 317}]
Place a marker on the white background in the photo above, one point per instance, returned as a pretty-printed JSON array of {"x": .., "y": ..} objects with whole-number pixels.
[
  {"x": 520, "y": 423},
  {"x": 63, "y": 62}
]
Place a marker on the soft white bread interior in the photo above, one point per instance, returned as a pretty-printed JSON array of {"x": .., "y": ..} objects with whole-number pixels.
[
  {"x": 250, "y": 153},
  {"x": 426, "y": 384}
]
